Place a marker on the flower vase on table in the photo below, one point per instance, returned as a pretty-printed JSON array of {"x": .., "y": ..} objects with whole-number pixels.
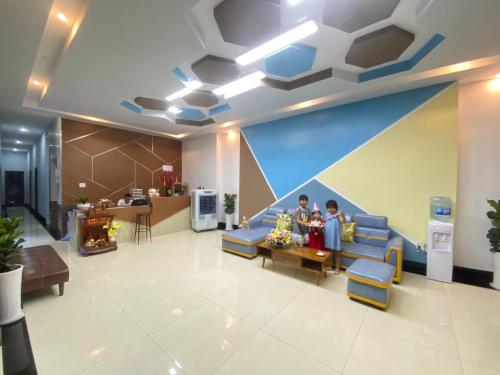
[{"x": 280, "y": 239}]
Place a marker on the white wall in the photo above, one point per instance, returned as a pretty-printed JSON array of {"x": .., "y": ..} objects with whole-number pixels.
[
  {"x": 199, "y": 162},
  {"x": 41, "y": 162},
  {"x": 478, "y": 172},
  {"x": 213, "y": 161},
  {"x": 228, "y": 169},
  {"x": 15, "y": 161}
]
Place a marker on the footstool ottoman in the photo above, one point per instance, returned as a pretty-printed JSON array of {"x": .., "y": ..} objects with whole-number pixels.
[{"x": 370, "y": 281}]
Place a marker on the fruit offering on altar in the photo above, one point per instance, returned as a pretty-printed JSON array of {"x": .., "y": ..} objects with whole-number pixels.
[{"x": 104, "y": 203}]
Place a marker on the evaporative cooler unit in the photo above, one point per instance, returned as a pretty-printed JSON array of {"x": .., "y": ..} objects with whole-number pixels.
[{"x": 204, "y": 209}]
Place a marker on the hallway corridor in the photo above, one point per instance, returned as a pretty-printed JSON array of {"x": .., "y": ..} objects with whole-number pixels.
[{"x": 33, "y": 232}]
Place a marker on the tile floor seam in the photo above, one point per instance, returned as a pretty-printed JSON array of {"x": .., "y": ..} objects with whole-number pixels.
[
  {"x": 109, "y": 356},
  {"x": 236, "y": 351},
  {"x": 289, "y": 344},
  {"x": 355, "y": 339}
]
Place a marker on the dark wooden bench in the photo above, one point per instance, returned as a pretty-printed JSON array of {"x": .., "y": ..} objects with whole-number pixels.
[{"x": 43, "y": 267}]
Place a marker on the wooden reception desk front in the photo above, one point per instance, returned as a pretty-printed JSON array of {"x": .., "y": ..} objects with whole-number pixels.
[{"x": 168, "y": 215}]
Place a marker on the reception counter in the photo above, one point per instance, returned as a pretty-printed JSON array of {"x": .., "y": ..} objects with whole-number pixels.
[{"x": 168, "y": 215}]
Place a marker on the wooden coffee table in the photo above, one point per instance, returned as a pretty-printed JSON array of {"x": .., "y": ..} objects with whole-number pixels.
[{"x": 300, "y": 257}]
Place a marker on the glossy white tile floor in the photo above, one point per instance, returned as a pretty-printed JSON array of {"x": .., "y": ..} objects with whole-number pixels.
[
  {"x": 33, "y": 232},
  {"x": 181, "y": 306}
]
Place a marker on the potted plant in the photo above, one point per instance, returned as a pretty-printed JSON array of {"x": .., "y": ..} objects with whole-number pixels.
[
  {"x": 229, "y": 207},
  {"x": 82, "y": 203},
  {"x": 494, "y": 237},
  {"x": 10, "y": 273}
]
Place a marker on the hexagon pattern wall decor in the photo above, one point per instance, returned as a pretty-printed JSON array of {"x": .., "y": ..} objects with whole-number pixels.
[
  {"x": 353, "y": 15},
  {"x": 248, "y": 22},
  {"x": 379, "y": 47}
]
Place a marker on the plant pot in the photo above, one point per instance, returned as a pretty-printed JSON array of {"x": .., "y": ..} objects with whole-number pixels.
[
  {"x": 496, "y": 271},
  {"x": 10, "y": 295},
  {"x": 83, "y": 206},
  {"x": 229, "y": 221}
]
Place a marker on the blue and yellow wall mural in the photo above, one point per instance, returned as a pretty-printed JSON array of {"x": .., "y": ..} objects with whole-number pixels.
[{"x": 386, "y": 156}]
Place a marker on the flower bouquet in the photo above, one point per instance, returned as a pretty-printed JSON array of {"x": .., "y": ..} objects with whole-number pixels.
[{"x": 279, "y": 238}]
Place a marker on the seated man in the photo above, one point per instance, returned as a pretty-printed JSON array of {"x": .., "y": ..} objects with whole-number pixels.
[{"x": 126, "y": 201}]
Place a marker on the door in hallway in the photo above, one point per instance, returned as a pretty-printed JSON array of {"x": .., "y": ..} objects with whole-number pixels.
[{"x": 14, "y": 188}]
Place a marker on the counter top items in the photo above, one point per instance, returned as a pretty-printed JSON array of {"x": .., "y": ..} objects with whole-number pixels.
[
  {"x": 94, "y": 235},
  {"x": 167, "y": 179},
  {"x": 82, "y": 203}
]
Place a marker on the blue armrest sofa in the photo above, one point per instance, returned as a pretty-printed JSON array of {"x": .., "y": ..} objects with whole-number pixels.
[
  {"x": 371, "y": 241},
  {"x": 244, "y": 241}
]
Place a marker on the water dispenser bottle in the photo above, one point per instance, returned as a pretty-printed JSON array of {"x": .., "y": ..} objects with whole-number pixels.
[{"x": 440, "y": 208}]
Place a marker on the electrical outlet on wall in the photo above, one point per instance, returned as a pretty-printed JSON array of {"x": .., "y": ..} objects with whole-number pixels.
[
  {"x": 82, "y": 185},
  {"x": 421, "y": 247}
]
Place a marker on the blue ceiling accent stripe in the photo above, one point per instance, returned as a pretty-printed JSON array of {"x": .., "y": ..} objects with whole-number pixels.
[
  {"x": 285, "y": 148},
  {"x": 427, "y": 48},
  {"x": 219, "y": 109},
  {"x": 179, "y": 74},
  {"x": 131, "y": 106},
  {"x": 320, "y": 193},
  {"x": 403, "y": 65}
]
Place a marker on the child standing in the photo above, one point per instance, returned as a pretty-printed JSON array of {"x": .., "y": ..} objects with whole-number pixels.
[
  {"x": 333, "y": 231},
  {"x": 316, "y": 224},
  {"x": 302, "y": 216}
]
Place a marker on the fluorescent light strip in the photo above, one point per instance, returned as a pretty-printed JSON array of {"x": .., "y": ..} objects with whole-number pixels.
[
  {"x": 173, "y": 109},
  {"x": 247, "y": 83},
  {"x": 280, "y": 42},
  {"x": 191, "y": 86}
]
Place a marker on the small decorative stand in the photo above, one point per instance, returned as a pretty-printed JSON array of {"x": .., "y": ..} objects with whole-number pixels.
[{"x": 94, "y": 233}]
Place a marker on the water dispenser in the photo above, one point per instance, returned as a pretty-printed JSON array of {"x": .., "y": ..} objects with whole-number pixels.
[{"x": 440, "y": 251}]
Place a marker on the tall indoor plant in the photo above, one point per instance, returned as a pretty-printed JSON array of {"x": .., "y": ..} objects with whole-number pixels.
[
  {"x": 494, "y": 237},
  {"x": 229, "y": 207},
  {"x": 10, "y": 272}
]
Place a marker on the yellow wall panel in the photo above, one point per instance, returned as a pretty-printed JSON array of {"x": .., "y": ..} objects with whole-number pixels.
[{"x": 396, "y": 173}]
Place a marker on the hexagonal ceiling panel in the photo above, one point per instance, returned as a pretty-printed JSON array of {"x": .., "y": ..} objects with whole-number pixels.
[
  {"x": 293, "y": 60},
  {"x": 216, "y": 70},
  {"x": 379, "y": 47},
  {"x": 352, "y": 15},
  {"x": 151, "y": 103},
  {"x": 191, "y": 114},
  {"x": 201, "y": 98},
  {"x": 248, "y": 22}
]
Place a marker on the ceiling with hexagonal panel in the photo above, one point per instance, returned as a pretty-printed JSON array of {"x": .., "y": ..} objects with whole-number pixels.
[{"x": 181, "y": 68}]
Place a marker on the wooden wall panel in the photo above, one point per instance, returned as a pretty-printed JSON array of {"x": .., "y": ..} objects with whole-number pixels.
[{"x": 111, "y": 161}]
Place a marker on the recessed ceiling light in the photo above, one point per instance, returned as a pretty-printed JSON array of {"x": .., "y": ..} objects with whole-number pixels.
[
  {"x": 15, "y": 149},
  {"x": 37, "y": 83},
  {"x": 293, "y": 2},
  {"x": 23, "y": 130},
  {"x": 190, "y": 87},
  {"x": 173, "y": 109},
  {"x": 280, "y": 42},
  {"x": 18, "y": 142},
  {"x": 61, "y": 17},
  {"x": 241, "y": 85}
]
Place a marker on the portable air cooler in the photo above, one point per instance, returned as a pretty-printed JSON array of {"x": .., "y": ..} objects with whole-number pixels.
[{"x": 204, "y": 209}]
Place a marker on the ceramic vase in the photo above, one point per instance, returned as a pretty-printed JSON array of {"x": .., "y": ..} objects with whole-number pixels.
[
  {"x": 496, "y": 271},
  {"x": 229, "y": 221},
  {"x": 10, "y": 295}
]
